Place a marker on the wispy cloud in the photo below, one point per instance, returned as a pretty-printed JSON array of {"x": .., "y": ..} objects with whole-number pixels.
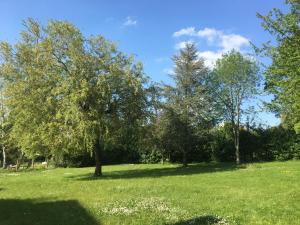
[
  {"x": 129, "y": 22},
  {"x": 210, "y": 57},
  {"x": 209, "y": 34},
  {"x": 233, "y": 41},
  {"x": 182, "y": 44},
  {"x": 222, "y": 41},
  {"x": 190, "y": 31}
]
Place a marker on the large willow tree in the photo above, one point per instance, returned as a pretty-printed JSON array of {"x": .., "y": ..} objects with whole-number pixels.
[{"x": 69, "y": 93}]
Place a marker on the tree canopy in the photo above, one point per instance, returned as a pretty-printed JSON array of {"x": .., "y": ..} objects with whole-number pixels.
[
  {"x": 283, "y": 75},
  {"x": 234, "y": 80},
  {"x": 68, "y": 93},
  {"x": 76, "y": 100}
]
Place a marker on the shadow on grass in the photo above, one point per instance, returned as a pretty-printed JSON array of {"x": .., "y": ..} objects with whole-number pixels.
[
  {"x": 39, "y": 212},
  {"x": 160, "y": 172},
  {"x": 202, "y": 220}
]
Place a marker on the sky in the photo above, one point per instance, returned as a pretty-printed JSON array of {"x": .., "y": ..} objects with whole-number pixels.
[{"x": 154, "y": 30}]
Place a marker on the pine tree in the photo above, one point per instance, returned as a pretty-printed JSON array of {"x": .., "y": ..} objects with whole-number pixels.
[{"x": 188, "y": 100}]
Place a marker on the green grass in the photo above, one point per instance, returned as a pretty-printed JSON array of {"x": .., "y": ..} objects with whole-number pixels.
[{"x": 262, "y": 193}]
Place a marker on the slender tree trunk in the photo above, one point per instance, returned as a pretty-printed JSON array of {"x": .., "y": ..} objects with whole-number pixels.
[
  {"x": 19, "y": 162},
  {"x": 235, "y": 131},
  {"x": 28, "y": 164},
  {"x": 237, "y": 135},
  {"x": 2, "y": 130},
  {"x": 184, "y": 160},
  {"x": 97, "y": 151},
  {"x": 186, "y": 149},
  {"x": 32, "y": 163},
  {"x": 4, "y": 157},
  {"x": 237, "y": 146}
]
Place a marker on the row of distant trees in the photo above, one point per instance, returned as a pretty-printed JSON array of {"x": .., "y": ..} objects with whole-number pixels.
[{"x": 65, "y": 97}]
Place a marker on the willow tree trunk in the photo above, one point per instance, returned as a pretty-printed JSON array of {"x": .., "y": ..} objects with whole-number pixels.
[
  {"x": 97, "y": 151},
  {"x": 4, "y": 157}
]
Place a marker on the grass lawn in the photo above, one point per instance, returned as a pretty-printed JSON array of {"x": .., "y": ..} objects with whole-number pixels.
[{"x": 260, "y": 193}]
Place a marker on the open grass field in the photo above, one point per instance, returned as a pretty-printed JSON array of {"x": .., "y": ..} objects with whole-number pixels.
[{"x": 262, "y": 193}]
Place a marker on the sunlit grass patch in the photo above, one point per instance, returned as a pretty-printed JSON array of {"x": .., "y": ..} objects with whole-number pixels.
[{"x": 155, "y": 194}]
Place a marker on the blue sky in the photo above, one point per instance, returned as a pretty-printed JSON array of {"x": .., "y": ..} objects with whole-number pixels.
[{"x": 153, "y": 30}]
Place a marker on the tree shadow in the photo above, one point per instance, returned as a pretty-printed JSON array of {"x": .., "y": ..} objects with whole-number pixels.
[
  {"x": 41, "y": 212},
  {"x": 202, "y": 220},
  {"x": 160, "y": 172}
]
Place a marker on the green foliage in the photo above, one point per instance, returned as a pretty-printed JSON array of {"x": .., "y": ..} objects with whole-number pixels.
[
  {"x": 282, "y": 76},
  {"x": 68, "y": 93},
  {"x": 221, "y": 144},
  {"x": 280, "y": 143},
  {"x": 188, "y": 112},
  {"x": 69, "y": 98},
  {"x": 257, "y": 144},
  {"x": 233, "y": 81}
]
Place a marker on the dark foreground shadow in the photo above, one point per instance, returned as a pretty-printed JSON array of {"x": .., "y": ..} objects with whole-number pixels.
[
  {"x": 37, "y": 212},
  {"x": 160, "y": 172},
  {"x": 202, "y": 220}
]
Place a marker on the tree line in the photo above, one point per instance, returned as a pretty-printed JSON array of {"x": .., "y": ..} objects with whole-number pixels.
[{"x": 70, "y": 98}]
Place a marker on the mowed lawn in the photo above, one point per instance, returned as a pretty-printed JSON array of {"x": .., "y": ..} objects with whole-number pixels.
[{"x": 260, "y": 193}]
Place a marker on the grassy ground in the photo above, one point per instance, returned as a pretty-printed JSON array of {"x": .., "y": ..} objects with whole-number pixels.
[{"x": 263, "y": 193}]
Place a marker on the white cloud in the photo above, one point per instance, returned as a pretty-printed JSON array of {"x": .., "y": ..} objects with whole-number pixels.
[
  {"x": 209, "y": 33},
  {"x": 189, "y": 31},
  {"x": 210, "y": 57},
  {"x": 233, "y": 41},
  {"x": 130, "y": 22},
  {"x": 182, "y": 44},
  {"x": 222, "y": 41},
  {"x": 226, "y": 41}
]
